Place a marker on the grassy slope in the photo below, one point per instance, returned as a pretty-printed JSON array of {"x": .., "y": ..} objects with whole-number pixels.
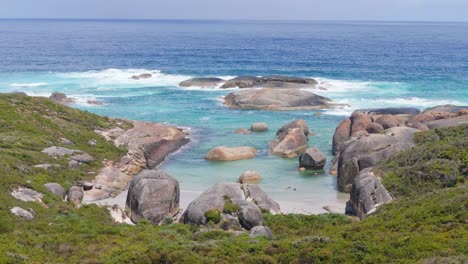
[{"x": 427, "y": 224}]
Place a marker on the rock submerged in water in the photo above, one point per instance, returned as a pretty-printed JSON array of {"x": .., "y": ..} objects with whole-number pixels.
[
  {"x": 312, "y": 159},
  {"x": 250, "y": 200},
  {"x": 142, "y": 76},
  {"x": 223, "y": 153},
  {"x": 290, "y": 140},
  {"x": 204, "y": 82},
  {"x": 152, "y": 195},
  {"x": 259, "y": 127},
  {"x": 276, "y": 99}
]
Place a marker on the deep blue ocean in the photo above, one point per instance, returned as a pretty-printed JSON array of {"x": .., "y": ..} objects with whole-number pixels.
[{"x": 363, "y": 64}]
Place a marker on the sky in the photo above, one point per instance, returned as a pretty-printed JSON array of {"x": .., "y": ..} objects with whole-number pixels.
[{"x": 376, "y": 10}]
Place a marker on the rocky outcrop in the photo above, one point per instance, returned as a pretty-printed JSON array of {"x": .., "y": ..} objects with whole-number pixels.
[
  {"x": 312, "y": 159},
  {"x": 365, "y": 152},
  {"x": 250, "y": 177},
  {"x": 22, "y": 213},
  {"x": 243, "y": 131},
  {"x": 367, "y": 194},
  {"x": 259, "y": 127},
  {"x": 374, "y": 121},
  {"x": 250, "y": 200},
  {"x": 148, "y": 145},
  {"x": 204, "y": 82},
  {"x": 61, "y": 98},
  {"x": 224, "y": 153},
  {"x": 27, "y": 195},
  {"x": 75, "y": 195},
  {"x": 152, "y": 195},
  {"x": 55, "y": 151},
  {"x": 290, "y": 140},
  {"x": 270, "y": 82},
  {"x": 277, "y": 99},
  {"x": 56, "y": 189}
]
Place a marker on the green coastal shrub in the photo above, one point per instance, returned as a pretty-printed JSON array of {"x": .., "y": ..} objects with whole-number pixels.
[{"x": 213, "y": 216}]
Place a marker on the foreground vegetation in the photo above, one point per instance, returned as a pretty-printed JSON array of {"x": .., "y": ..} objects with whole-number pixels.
[{"x": 427, "y": 223}]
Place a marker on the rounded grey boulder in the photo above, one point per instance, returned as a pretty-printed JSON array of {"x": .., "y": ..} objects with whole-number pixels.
[
  {"x": 260, "y": 231},
  {"x": 312, "y": 159},
  {"x": 152, "y": 195},
  {"x": 75, "y": 195},
  {"x": 56, "y": 189},
  {"x": 276, "y": 100}
]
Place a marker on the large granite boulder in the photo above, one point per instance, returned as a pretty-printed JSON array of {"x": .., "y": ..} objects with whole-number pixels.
[
  {"x": 410, "y": 111},
  {"x": 450, "y": 122},
  {"x": 367, "y": 194},
  {"x": 27, "y": 195},
  {"x": 290, "y": 140},
  {"x": 274, "y": 81},
  {"x": 250, "y": 177},
  {"x": 366, "y": 151},
  {"x": 204, "y": 82},
  {"x": 292, "y": 144},
  {"x": 261, "y": 231},
  {"x": 25, "y": 214},
  {"x": 276, "y": 99},
  {"x": 152, "y": 195},
  {"x": 75, "y": 195},
  {"x": 241, "y": 82},
  {"x": 224, "y": 153},
  {"x": 56, "y": 189},
  {"x": 445, "y": 108},
  {"x": 312, "y": 159},
  {"x": 250, "y": 199},
  {"x": 341, "y": 135},
  {"x": 359, "y": 122},
  {"x": 389, "y": 121}
]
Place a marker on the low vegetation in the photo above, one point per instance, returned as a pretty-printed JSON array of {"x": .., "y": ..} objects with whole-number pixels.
[{"x": 427, "y": 223}]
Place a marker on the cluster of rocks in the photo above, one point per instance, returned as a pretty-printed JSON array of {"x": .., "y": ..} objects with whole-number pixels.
[
  {"x": 251, "y": 82},
  {"x": 255, "y": 127},
  {"x": 369, "y": 136},
  {"x": 270, "y": 93}
]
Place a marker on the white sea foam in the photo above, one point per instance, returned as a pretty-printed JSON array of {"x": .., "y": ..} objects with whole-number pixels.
[
  {"x": 36, "y": 84},
  {"x": 123, "y": 78}
]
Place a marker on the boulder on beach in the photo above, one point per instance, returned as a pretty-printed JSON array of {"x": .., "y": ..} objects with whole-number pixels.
[
  {"x": 449, "y": 122},
  {"x": 409, "y": 111},
  {"x": 152, "y": 195},
  {"x": 359, "y": 121},
  {"x": 389, "y": 121},
  {"x": 250, "y": 177},
  {"x": 276, "y": 99},
  {"x": 290, "y": 140},
  {"x": 224, "y": 153},
  {"x": 204, "y": 82},
  {"x": 365, "y": 152},
  {"x": 312, "y": 159},
  {"x": 249, "y": 200}
]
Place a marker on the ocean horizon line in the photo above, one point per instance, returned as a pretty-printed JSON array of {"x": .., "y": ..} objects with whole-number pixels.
[{"x": 233, "y": 20}]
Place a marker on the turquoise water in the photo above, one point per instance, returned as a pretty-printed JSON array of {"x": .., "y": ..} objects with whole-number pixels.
[{"x": 361, "y": 64}]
